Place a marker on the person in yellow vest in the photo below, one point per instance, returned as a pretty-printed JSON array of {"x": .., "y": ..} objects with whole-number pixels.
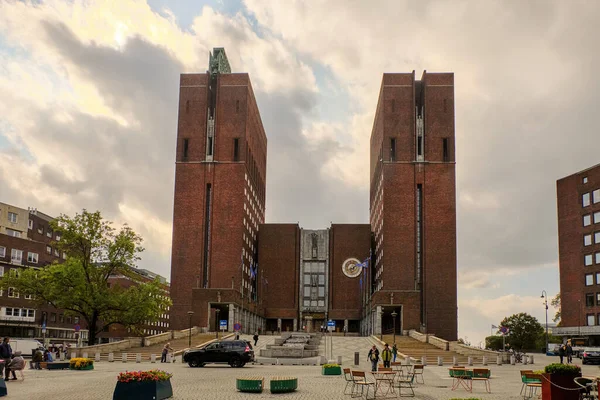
[{"x": 386, "y": 356}]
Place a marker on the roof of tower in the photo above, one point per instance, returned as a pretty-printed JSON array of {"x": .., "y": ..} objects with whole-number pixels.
[{"x": 218, "y": 62}]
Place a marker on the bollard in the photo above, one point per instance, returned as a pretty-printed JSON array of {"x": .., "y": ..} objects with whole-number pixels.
[
  {"x": 407, "y": 361},
  {"x": 169, "y": 358},
  {"x": 531, "y": 359},
  {"x": 454, "y": 361},
  {"x": 339, "y": 360},
  {"x": 423, "y": 360},
  {"x": 62, "y": 356},
  {"x": 356, "y": 358},
  {"x": 499, "y": 360},
  {"x": 512, "y": 360},
  {"x": 124, "y": 357},
  {"x": 485, "y": 360},
  {"x": 440, "y": 361},
  {"x": 152, "y": 358},
  {"x": 525, "y": 359},
  {"x": 85, "y": 355},
  {"x": 111, "y": 357},
  {"x": 138, "y": 358},
  {"x": 470, "y": 360},
  {"x": 55, "y": 356},
  {"x": 179, "y": 359},
  {"x": 73, "y": 354},
  {"x": 97, "y": 357}
]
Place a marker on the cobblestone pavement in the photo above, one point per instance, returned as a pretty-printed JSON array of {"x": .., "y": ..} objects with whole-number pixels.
[{"x": 218, "y": 382}]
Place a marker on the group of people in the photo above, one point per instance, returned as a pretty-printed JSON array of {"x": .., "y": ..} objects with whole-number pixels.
[
  {"x": 566, "y": 350},
  {"x": 10, "y": 362},
  {"x": 387, "y": 356}
]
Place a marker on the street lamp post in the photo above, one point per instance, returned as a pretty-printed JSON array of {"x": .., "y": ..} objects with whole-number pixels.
[
  {"x": 381, "y": 325},
  {"x": 394, "y": 314},
  {"x": 545, "y": 297},
  {"x": 218, "y": 311},
  {"x": 190, "y": 313}
]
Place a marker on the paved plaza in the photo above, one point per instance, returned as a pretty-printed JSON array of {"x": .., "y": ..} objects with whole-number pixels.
[{"x": 218, "y": 381}]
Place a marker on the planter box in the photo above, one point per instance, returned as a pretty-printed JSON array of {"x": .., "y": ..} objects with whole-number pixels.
[
  {"x": 250, "y": 384},
  {"x": 58, "y": 365},
  {"x": 86, "y": 368},
  {"x": 153, "y": 390},
  {"x": 551, "y": 392},
  {"x": 283, "y": 384},
  {"x": 332, "y": 371}
]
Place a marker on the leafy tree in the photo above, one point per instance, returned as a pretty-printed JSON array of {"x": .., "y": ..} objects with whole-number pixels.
[
  {"x": 556, "y": 304},
  {"x": 494, "y": 342},
  {"x": 80, "y": 284},
  {"x": 524, "y": 330}
]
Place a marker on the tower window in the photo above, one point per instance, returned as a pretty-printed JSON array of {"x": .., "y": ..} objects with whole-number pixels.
[
  {"x": 236, "y": 149},
  {"x": 392, "y": 149},
  {"x": 186, "y": 143},
  {"x": 445, "y": 149},
  {"x": 209, "y": 151},
  {"x": 419, "y": 146},
  {"x": 187, "y": 106}
]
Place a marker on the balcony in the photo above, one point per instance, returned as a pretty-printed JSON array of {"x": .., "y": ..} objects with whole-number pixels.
[{"x": 576, "y": 330}]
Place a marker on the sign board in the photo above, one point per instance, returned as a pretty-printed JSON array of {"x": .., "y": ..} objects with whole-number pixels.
[
  {"x": 223, "y": 324},
  {"x": 237, "y": 327},
  {"x": 504, "y": 330},
  {"x": 331, "y": 325},
  {"x": 77, "y": 328}
]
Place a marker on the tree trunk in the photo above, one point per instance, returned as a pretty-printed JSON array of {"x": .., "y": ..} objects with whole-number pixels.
[{"x": 92, "y": 327}]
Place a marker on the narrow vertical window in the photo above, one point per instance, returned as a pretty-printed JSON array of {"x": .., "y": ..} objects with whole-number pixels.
[
  {"x": 207, "y": 236},
  {"x": 186, "y": 143},
  {"x": 237, "y": 106},
  {"x": 209, "y": 151},
  {"x": 420, "y": 146},
  {"x": 236, "y": 149},
  {"x": 187, "y": 106},
  {"x": 445, "y": 150},
  {"x": 393, "y": 149}
]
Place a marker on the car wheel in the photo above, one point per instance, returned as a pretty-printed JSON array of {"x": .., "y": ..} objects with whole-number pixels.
[
  {"x": 235, "y": 362},
  {"x": 242, "y": 365},
  {"x": 584, "y": 362},
  {"x": 195, "y": 362}
]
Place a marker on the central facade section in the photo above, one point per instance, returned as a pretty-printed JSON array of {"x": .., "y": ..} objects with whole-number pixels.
[{"x": 315, "y": 278}]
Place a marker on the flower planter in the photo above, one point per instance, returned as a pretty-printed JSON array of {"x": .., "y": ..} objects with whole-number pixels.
[
  {"x": 332, "y": 371},
  {"x": 550, "y": 391},
  {"x": 86, "y": 368},
  {"x": 148, "y": 390}
]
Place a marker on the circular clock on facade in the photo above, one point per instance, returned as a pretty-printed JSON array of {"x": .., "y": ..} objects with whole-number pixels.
[{"x": 351, "y": 268}]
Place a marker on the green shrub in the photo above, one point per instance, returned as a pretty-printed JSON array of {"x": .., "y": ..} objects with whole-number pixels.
[
  {"x": 562, "y": 369},
  {"x": 331, "y": 365}
]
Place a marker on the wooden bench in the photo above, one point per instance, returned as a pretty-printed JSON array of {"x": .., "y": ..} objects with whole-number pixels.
[
  {"x": 283, "y": 384},
  {"x": 57, "y": 365},
  {"x": 251, "y": 384}
]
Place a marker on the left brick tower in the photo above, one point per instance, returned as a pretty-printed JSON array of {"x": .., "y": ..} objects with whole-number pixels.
[{"x": 220, "y": 175}]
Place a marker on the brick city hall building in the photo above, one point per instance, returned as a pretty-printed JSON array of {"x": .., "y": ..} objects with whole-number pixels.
[{"x": 228, "y": 264}]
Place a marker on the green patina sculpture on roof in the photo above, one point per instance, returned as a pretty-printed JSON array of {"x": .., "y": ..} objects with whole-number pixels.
[{"x": 218, "y": 63}]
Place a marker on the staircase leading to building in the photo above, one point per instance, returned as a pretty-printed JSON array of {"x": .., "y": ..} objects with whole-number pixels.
[{"x": 417, "y": 349}]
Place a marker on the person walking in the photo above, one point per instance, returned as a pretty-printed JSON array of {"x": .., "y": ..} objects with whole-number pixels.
[
  {"x": 569, "y": 352},
  {"x": 394, "y": 351},
  {"x": 373, "y": 356},
  {"x": 166, "y": 349},
  {"x": 561, "y": 352},
  {"x": 386, "y": 356},
  {"x": 255, "y": 337},
  {"x": 17, "y": 364},
  {"x": 6, "y": 355},
  {"x": 37, "y": 358}
]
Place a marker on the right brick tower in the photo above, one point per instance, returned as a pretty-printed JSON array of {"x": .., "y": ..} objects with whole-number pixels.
[{"x": 412, "y": 278}]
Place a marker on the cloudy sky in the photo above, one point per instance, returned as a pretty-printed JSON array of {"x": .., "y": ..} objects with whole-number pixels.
[{"x": 88, "y": 107}]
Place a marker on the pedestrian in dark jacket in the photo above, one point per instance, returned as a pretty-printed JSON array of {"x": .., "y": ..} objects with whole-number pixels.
[
  {"x": 373, "y": 356},
  {"x": 37, "y": 358},
  {"x": 6, "y": 355},
  {"x": 561, "y": 352},
  {"x": 569, "y": 352},
  {"x": 255, "y": 337}
]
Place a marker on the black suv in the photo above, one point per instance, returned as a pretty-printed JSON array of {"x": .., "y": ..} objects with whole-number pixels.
[{"x": 236, "y": 353}]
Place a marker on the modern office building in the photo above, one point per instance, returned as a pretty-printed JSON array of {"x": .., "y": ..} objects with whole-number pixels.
[
  {"x": 578, "y": 204},
  {"x": 229, "y": 267}
]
